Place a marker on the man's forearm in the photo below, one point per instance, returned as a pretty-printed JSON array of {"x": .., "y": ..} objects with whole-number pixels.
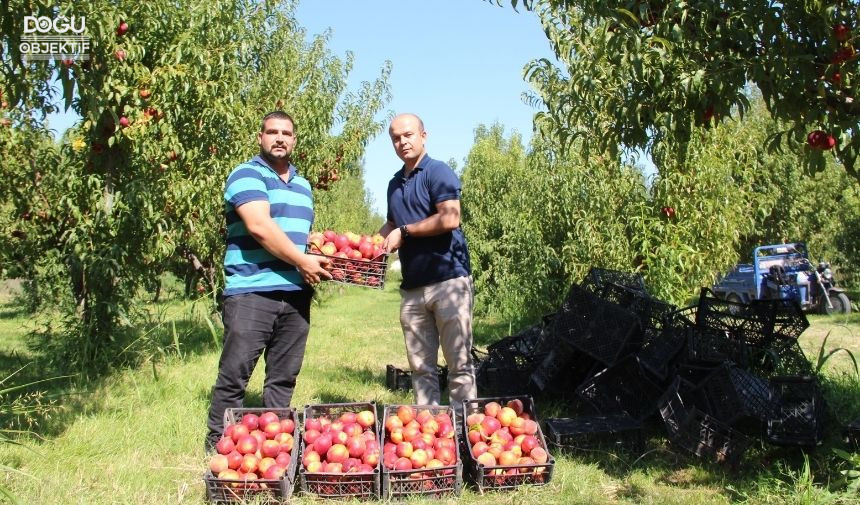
[
  {"x": 274, "y": 240},
  {"x": 437, "y": 224}
]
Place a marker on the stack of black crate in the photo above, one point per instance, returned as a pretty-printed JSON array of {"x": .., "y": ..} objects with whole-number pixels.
[{"x": 717, "y": 373}]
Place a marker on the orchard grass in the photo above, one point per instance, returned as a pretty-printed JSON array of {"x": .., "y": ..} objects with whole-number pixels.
[{"x": 136, "y": 435}]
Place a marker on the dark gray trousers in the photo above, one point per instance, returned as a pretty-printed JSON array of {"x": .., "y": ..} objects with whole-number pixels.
[{"x": 272, "y": 324}]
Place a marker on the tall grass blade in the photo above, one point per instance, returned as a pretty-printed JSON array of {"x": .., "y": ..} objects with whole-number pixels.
[
  {"x": 12, "y": 498},
  {"x": 214, "y": 333},
  {"x": 175, "y": 339}
]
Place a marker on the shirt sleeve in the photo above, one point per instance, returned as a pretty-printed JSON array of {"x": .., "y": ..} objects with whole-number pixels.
[
  {"x": 444, "y": 184},
  {"x": 244, "y": 185}
]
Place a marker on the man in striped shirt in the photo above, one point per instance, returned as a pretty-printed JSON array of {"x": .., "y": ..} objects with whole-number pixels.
[{"x": 269, "y": 278}]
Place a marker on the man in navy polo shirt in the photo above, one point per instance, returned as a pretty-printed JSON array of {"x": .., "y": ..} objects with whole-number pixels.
[
  {"x": 269, "y": 211},
  {"x": 437, "y": 291}
]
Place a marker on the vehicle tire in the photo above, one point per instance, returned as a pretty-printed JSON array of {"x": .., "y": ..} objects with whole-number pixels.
[
  {"x": 841, "y": 304},
  {"x": 734, "y": 298}
]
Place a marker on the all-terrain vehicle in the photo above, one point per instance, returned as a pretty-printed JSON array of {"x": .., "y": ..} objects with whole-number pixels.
[{"x": 783, "y": 271}]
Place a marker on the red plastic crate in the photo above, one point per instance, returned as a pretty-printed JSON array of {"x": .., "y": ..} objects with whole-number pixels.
[
  {"x": 259, "y": 490},
  {"x": 505, "y": 476},
  {"x": 340, "y": 485},
  {"x": 439, "y": 481},
  {"x": 357, "y": 272}
]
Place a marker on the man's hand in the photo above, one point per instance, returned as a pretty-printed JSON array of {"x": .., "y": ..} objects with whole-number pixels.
[
  {"x": 393, "y": 241},
  {"x": 312, "y": 268}
]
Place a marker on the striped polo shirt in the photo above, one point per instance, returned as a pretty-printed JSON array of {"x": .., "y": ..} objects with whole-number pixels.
[{"x": 248, "y": 267}]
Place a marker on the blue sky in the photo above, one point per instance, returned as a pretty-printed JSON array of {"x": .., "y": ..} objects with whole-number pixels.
[{"x": 456, "y": 63}]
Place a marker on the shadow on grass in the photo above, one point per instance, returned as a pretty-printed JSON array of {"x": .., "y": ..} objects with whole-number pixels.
[
  {"x": 10, "y": 310},
  {"x": 62, "y": 395}
]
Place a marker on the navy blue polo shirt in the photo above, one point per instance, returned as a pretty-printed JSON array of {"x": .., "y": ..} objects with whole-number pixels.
[{"x": 427, "y": 260}]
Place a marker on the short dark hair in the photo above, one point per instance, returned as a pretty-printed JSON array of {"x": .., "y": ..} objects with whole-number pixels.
[{"x": 277, "y": 114}]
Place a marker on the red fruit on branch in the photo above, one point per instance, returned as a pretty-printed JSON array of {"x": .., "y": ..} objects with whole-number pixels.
[
  {"x": 813, "y": 138},
  {"x": 124, "y": 122},
  {"x": 119, "y": 54},
  {"x": 842, "y": 55},
  {"x": 841, "y": 32},
  {"x": 669, "y": 212},
  {"x": 819, "y": 139},
  {"x": 122, "y": 29}
]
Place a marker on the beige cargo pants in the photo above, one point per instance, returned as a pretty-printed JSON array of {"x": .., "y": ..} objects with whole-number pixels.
[{"x": 434, "y": 316}]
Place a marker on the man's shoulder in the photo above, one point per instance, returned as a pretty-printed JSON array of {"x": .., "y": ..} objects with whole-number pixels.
[
  {"x": 437, "y": 170},
  {"x": 301, "y": 181},
  {"x": 248, "y": 168},
  {"x": 434, "y": 165}
]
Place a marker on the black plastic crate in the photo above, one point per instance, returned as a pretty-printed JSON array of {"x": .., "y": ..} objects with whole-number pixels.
[
  {"x": 561, "y": 371},
  {"x": 621, "y": 389},
  {"x": 693, "y": 430},
  {"x": 260, "y": 490},
  {"x": 696, "y": 373},
  {"x": 362, "y": 486},
  {"x": 246, "y": 491},
  {"x": 599, "y": 328},
  {"x": 710, "y": 439},
  {"x": 714, "y": 346},
  {"x": 682, "y": 318},
  {"x": 503, "y": 372},
  {"x": 789, "y": 320},
  {"x": 736, "y": 397},
  {"x": 652, "y": 313},
  {"x": 505, "y": 476},
  {"x": 397, "y": 379},
  {"x": 597, "y": 278},
  {"x": 369, "y": 273},
  {"x": 797, "y": 412},
  {"x": 437, "y": 482},
  {"x": 752, "y": 324},
  {"x": 782, "y": 358},
  {"x": 611, "y": 433},
  {"x": 532, "y": 341},
  {"x": 674, "y": 406},
  {"x": 660, "y": 353}
]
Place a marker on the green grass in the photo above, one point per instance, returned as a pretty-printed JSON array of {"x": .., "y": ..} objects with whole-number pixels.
[{"x": 136, "y": 436}]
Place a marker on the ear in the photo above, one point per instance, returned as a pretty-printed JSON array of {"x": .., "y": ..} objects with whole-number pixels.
[{"x": 260, "y": 138}]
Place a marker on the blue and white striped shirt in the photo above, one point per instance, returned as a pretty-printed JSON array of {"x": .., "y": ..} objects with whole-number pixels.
[{"x": 248, "y": 267}]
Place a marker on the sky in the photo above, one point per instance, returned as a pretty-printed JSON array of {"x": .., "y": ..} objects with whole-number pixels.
[{"x": 455, "y": 63}]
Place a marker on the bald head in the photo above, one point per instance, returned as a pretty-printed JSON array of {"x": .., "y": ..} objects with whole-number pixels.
[
  {"x": 408, "y": 116},
  {"x": 408, "y": 136}
]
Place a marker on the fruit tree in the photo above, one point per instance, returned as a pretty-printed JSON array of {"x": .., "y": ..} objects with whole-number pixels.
[
  {"x": 637, "y": 73},
  {"x": 170, "y": 98}
]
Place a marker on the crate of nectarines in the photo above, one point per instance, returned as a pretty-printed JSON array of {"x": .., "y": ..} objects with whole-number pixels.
[
  {"x": 255, "y": 458},
  {"x": 340, "y": 451},
  {"x": 506, "y": 447},
  {"x": 420, "y": 451},
  {"x": 355, "y": 259}
]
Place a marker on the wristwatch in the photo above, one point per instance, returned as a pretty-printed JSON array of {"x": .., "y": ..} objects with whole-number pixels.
[{"x": 404, "y": 232}]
